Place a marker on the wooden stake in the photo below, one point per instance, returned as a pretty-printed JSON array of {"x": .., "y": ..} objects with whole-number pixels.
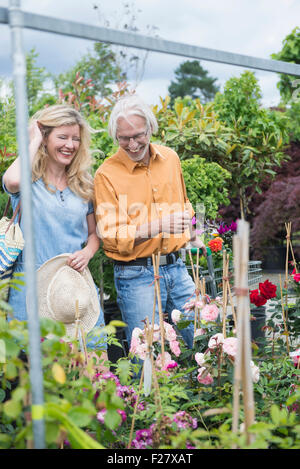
[
  {"x": 242, "y": 369},
  {"x": 155, "y": 261},
  {"x": 284, "y": 318}
]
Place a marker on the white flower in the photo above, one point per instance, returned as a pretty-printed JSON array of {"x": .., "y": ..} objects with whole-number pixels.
[
  {"x": 200, "y": 358},
  {"x": 254, "y": 372},
  {"x": 215, "y": 340},
  {"x": 175, "y": 315}
]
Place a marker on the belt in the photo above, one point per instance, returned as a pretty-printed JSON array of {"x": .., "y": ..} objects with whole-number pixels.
[{"x": 147, "y": 261}]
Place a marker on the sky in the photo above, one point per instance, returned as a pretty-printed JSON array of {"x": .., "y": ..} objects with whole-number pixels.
[{"x": 251, "y": 27}]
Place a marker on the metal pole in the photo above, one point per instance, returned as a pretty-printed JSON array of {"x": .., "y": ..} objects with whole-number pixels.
[{"x": 36, "y": 375}]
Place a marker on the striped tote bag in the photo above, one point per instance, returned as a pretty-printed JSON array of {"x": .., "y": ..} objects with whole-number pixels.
[{"x": 11, "y": 242}]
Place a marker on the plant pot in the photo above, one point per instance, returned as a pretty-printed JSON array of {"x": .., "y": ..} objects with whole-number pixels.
[
  {"x": 274, "y": 258},
  {"x": 258, "y": 321},
  {"x": 113, "y": 313}
]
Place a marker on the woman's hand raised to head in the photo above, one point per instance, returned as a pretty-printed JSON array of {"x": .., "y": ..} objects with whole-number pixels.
[{"x": 35, "y": 134}]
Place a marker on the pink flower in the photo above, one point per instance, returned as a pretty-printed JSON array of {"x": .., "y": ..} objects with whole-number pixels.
[
  {"x": 230, "y": 346},
  {"x": 175, "y": 315},
  {"x": 203, "y": 377},
  {"x": 210, "y": 312},
  {"x": 295, "y": 356},
  {"x": 199, "y": 332},
  {"x": 215, "y": 340},
  {"x": 175, "y": 347},
  {"x": 170, "y": 332},
  {"x": 169, "y": 363}
]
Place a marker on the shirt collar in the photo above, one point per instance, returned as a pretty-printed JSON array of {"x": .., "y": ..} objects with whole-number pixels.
[{"x": 131, "y": 165}]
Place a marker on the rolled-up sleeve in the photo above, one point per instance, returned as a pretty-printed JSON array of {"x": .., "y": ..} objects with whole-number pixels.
[{"x": 114, "y": 226}]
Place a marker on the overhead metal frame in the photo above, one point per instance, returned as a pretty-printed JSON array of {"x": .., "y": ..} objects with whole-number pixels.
[{"x": 19, "y": 20}]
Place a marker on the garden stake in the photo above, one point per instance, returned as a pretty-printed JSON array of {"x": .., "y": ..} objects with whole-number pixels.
[
  {"x": 225, "y": 274},
  {"x": 155, "y": 261},
  {"x": 135, "y": 408},
  {"x": 242, "y": 370},
  {"x": 288, "y": 227},
  {"x": 286, "y": 333},
  {"x": 79, "y": 332}
]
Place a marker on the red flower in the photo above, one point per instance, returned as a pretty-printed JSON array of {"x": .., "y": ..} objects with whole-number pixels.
[
  {"x": 216, "y": 244},
  {"x": 267, "y": 290},
  {"x": 256, "y": 298},
  {"x": 296, "y": 277}
]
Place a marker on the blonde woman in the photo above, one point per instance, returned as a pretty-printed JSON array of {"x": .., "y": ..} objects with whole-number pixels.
[{"x": 62, "y": 192}]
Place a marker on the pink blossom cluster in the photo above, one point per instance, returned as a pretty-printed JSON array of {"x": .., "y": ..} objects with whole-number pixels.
[
  {"x": 138, "y": 344},
  {"x": 229, "y": 346},
  {"x": 209, "y": 310},
  {"x": 184, "y": 420},
  {"x": 168, "y": 364},
  {"x": 102, "y": 412},
  {"x": 143, "y": 439}
]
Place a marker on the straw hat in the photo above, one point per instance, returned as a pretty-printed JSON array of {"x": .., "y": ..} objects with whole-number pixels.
[{"x": 58, "y": 288}]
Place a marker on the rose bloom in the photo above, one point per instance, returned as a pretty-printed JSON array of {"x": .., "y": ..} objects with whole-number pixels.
[
  {"x": 175, "y": 315},
  {"x": 296, "y": 278},
  {"x": 254, "y": 372},
  {"x": 175, "y": 347},
  {"x": 170, "y": 332},
  {"x": 200, "y": 358},
  {"x": 207, "y": 379},
  {"x": 215, "y": 244},
  {"x": 215, "y": 340},
  {"x": 199, "y": 332},
  {"x": 267, "y": 289},
  {"x": 256, "y": 298},
  {"x": 230, "y": 346},
  {"x": 210, "y": 312},
  {"x": 169, "y": 363}
]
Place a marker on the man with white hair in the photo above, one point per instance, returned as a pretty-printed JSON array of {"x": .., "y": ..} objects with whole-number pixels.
[{"x": 142, "y": 209}]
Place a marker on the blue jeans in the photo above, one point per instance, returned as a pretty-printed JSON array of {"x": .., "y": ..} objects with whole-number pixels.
[{"x": 135, "y": 290}]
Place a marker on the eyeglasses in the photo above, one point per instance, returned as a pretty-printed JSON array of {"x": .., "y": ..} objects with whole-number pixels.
[{"x": 126, "y": 140}]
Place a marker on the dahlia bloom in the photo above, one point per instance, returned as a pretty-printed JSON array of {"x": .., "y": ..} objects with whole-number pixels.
[{"x": 216, "y": 244}]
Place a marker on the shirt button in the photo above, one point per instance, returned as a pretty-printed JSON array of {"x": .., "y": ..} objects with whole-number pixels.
[
  {"x": 165, "y": 248},
  {"x": 154, "y": 189}
]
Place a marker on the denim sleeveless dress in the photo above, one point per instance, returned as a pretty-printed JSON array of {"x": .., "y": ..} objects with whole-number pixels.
[{"x": 60, "y": 226}]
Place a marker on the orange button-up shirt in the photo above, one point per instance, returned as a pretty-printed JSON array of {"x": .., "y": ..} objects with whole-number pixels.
[{"x": 130, "y": 194}]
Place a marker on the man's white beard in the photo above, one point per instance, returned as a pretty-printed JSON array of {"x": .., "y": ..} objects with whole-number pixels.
[{"x": 141, "y": 156}]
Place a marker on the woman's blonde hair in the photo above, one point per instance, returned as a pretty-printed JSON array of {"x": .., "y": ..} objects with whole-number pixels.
[{"x": 79, "y": 178}]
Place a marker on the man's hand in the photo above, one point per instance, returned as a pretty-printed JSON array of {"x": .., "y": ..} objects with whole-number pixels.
[
  {"x": 177, "y": 222},
  {"x": 197, "y": 243}
]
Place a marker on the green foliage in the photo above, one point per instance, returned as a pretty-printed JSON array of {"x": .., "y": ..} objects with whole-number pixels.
[
  {"x": 293, "y": 120},
  {"x": 192, "y": 129},
  {"x": 259, "y": 136},
  {"x": 206, "y": 183},
  {"x": 290, "y": 52},
  {"x": 99, "y": 66},
  {"x": 192, "y": 80}
]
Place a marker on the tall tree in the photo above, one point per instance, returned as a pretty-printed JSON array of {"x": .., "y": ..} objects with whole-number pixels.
[
  {"x": 193, "y": 80},
  {"x": 289, "y": 85}
]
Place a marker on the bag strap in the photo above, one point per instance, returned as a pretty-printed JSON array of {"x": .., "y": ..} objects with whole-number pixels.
[
  {"x": 17, "y": 210},
  {"x": 6, "y": 208}
]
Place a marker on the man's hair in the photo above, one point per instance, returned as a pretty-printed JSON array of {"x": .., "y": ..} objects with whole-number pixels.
[{"x": 128, "y": 106}]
